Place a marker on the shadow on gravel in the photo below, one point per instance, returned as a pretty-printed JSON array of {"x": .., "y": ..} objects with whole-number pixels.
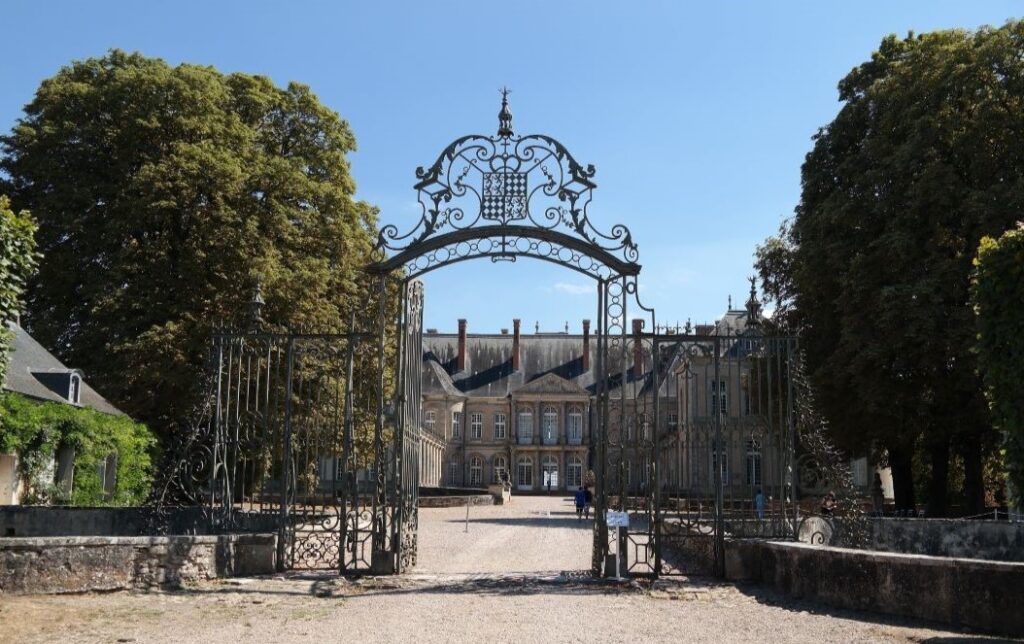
[{"x": 770, "y": 597}]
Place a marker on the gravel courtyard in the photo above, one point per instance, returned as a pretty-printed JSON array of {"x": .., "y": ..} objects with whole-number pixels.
[{"x": 498, "y": 582}]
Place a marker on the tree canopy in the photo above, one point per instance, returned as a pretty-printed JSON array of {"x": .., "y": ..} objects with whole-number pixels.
[
  {"x": 17, "y": 263},
  {"x": 999, "y": 302},
  {"x": 163, "y": 194},
  {"x": 919, "y": 164}
]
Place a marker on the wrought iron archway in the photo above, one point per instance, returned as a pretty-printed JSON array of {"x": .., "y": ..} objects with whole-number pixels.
[{"x": 504, "y": 197}]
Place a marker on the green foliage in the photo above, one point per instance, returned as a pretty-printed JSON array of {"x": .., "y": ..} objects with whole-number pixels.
[
  {"x": 35, "y": 431},
  {"x": 162, "y": 193},
  {"x": 874, "y": 270},
  {"x": 17, "y": 263},
  {"x": 998, "y": 291}
]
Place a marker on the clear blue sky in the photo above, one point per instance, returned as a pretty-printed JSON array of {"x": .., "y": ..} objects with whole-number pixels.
[{"x": 697, "y": 115}]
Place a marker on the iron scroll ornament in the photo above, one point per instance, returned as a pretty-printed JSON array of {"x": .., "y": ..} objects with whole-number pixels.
[{"x": 502, "y": 197}]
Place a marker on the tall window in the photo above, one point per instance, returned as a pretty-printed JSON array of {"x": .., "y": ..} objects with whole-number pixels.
[
  {"x": 476, "y": 471},
  {"x": 453, "y": 473},
  {"x": 753, "y": 462},
  {"x": 499, "y": 469},
  {"x": 524, "y": 426},
  {"x": 499, "y": 426},
  {"x": 574, "y": 426},
  {"x": 524, "y": 471},
  {"x": 429, "y": 420},
  {"x": 476, "y": 425},
  {"x": 720, "y": 460},
  {"x": 645, "y": 427},
  {"x": 456, "y": 424},
  {"x": 574, "y": 472},
  {"x": 719, "y": 397},
  {"x": 549, "y": 471},
  {"x": 673, "y": 422},
  {"x": 549, "y": 426}
]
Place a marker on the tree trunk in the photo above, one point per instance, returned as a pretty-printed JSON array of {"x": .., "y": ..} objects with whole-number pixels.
[
  {"x": 900, "y": 460},
  {"x": 938, "y": 485},
  {"x": 974, "y": 484}
]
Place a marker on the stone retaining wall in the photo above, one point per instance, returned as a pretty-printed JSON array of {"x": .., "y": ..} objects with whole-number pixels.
[
  {"x": 982, "y": 595},
  {"x": 83, "y": 564}
]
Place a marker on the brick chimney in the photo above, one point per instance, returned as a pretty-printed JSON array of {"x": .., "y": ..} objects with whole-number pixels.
[
  {"x": 515, "y": 345},
  {"x": 586, "y": 345},
  {"x": 638, "y": 348},
  {"x": 461, "y": 365}
]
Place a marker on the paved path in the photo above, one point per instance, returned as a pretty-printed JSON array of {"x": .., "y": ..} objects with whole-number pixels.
[{"x": 501, "y": 582}]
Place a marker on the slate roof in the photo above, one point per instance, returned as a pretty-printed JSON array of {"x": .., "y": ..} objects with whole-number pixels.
[
  {"x": 489, "y": 371},
  {"x": 34, "y": 372}
]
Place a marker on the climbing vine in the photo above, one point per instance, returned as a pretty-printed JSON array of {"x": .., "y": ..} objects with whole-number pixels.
[{"x": 36, "y": 431}]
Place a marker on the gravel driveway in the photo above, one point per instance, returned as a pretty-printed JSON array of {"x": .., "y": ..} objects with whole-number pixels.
[{"x": 498, "y": 582}]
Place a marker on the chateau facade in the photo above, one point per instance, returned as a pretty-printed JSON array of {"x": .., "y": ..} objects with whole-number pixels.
[{"x": 507, "y": 405}]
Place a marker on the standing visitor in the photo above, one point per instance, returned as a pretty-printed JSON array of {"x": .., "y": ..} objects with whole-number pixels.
[
  {"x": 581, "y": 502},
  {"x": 759, "y": 504}
]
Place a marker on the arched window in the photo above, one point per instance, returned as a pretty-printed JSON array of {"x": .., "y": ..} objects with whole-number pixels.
[
  {"x": 453, "y": 473},
  {"x": 499, "y": 467},
  {"x": 574, "y": 472},
  {"x": 524, "y": 472},
  {"x": 753, "y": 462},
  {"x": 549, "y": 472},
  {"x": 524, "y": 426},
  {"x": 549, "y": 426},
  {"x": 75, "y": 389},
  {"x": 476, "y": 471},
  {"x": 574, "y": 426}
]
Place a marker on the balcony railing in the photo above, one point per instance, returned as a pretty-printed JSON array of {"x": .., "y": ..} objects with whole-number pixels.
[
  {"x": 524, "y": 439},
  {"x": 575, "y": 440}
]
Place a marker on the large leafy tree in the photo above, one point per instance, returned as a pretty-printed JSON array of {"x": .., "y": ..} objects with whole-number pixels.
[
  {"x": 999, "y": 303},
  {"x": 921, "y": 161},
  {"x": 162, "y": 195},
  {"x": 17, "y": 263}
]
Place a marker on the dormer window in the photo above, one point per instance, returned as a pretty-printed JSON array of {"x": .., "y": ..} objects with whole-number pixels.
[{"x": 75, "y": 389}]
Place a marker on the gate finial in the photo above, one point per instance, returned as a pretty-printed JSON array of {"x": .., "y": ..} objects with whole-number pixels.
[{"x": 505, "y": 115}]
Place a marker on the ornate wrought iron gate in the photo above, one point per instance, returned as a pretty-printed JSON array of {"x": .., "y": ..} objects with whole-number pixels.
[{"x": 310, "y": 434}]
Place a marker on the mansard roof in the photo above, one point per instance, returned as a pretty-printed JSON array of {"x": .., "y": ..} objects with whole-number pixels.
[
  {"x": 489, "y": 372},
  {"x": 34, "y": 372}
]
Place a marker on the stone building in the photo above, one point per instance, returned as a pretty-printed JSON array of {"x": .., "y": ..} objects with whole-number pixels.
[
  {"x": 508, "y": 404},
  {"x": 33, "y": 372}
]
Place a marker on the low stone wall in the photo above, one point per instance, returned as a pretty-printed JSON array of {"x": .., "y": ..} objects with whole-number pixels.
[
  {"x": 982, "y": 595},
  {"x": 455, "y": 501},
  {"x": 66, "y": 521},
  {"x": 991, "y": 540},
  {"x": 83, "y": 564}
]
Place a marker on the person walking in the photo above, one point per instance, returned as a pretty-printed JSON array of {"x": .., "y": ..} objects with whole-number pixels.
[
  {"x": 581, "y": 502},
  {"x": 588, "y": 500}
]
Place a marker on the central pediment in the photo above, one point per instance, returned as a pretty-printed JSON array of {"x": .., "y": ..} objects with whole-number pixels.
[{"x": 551, "y": 383}]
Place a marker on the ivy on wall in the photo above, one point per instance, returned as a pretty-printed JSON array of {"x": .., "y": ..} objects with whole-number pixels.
[{"x": 35, "y": 431}]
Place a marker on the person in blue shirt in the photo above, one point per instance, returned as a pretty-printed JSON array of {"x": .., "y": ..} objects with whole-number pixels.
[
  {"x": 759, "y": 504},
  {"x": 581, "y": 502}
]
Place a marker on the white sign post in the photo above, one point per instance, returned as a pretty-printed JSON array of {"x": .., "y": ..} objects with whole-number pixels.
[{"x": 617, "y": 520}]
